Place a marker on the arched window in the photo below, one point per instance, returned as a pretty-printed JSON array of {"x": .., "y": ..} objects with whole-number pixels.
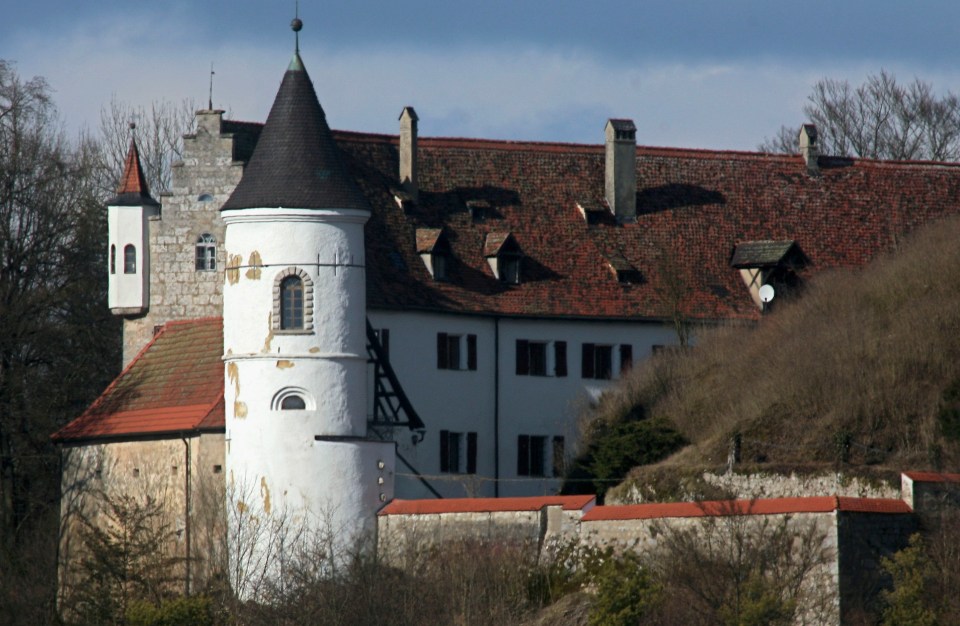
[
  {"x": 113, "y": 259},
  {"x": 204, "y": 197},
  {"x": 291, "y": 303},
  {"x": 292, "y": 399},
  {"x": 206, "y": 252},
  {"x": 292, "y": 403},
  {"x": 129, "y": 259}
]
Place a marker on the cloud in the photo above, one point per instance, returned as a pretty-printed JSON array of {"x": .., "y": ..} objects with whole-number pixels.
[{"x": 533, "y": 93}]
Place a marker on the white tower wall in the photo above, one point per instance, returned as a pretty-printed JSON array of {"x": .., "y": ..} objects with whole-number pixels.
[
  {"x": 128, "y": 293},
  {"x": 310, "y": 465}
]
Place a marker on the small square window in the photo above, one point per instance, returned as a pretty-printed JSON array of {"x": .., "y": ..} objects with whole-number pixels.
[
  {"x": 451, "y": 350},
  {"x": 458, "y": 452}
]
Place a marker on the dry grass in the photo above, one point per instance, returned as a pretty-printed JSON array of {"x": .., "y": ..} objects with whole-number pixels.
[{"x": 854, "y": 372}]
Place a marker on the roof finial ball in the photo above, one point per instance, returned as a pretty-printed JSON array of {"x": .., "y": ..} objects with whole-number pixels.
[{"x": 297, "y": 25}]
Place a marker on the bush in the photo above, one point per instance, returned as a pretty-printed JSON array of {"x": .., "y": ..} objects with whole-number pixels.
[
  {"x": 617, "y": 448},
  {"x": 193, "y": 610},
  {"x": 626, "y": 592}
]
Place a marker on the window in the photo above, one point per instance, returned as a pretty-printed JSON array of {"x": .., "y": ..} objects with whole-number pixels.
[
  {"x": 291, "y": 303},
  {"x": 509, "y": 269},
  {"x": 598, "y": 360},
  {"x": 204, "y": 197},
  {"x": 456, "y": 352},
  {"x": 129, "y": 259},
  {"x": 292, "y": 399},
  {"x": 541, "y": 358},
  {"x": 439, "y": 266},
  {"x": 113, "y": 259},
  {"x": 458, "y": 452},
  {"x": 206, "y": 252},
  {"x": 531, "y": 455},
  {"x": 292, "y": 403}
]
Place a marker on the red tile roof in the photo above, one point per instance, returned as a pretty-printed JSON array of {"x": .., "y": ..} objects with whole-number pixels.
[
  {"x": 133, "y": 180},
  {"x": 772, "y": 506},
  {"x": 485, "y": 505},
  {"x": 174, "y": 385},
  {"x": 932, "y": 477},
  {"x": 693, "y": 208}
]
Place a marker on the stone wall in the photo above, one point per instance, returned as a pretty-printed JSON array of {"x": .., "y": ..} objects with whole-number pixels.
[
  {"x": 209, "y": 171},
  {"x": 148, "y": 473}
]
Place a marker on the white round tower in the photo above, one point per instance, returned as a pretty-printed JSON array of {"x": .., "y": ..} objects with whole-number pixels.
[{"x": 294, "y": 330}]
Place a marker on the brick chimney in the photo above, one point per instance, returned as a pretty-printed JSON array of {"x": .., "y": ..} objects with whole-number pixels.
[
  {"x": 408, "y": 151},
  {"x": 809, "y": 148},
  {"x": 620, "y": 179}
]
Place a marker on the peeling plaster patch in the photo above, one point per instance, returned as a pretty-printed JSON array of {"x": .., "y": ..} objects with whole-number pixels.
[
  {"x": 269, "y": 339},
  {"x": 265, "y": 492},
  {"x": 314, "y": 350},
  {"x": 255, "y": 264},
  {"x": 233, "y": 375},
  {"x": 233, "y": 268},
  {"x": 284, "y": 364},
  {"x": 242, "y": 507}
]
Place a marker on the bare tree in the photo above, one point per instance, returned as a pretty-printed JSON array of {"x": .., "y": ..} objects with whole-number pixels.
[
  {"x": 879, "y": 119},
  {"x": 57, "y": 346},
  {"x": 158, "y": 129}
]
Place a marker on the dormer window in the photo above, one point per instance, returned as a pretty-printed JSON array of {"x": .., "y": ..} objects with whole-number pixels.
[
  {"x": 625, "y": 272},
  {"x": 479, "y": 210},
  {"x": 774, "y": 263},
  {"x": 434, "y": 249},
  {"x": 504, "y": 256},
  {"x": 593, "y": 212}
]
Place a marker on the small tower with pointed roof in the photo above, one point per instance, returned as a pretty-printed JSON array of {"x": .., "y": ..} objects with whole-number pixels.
[
  {"x": 128, "y": 256},
  {"x": 294, "y": 325}
]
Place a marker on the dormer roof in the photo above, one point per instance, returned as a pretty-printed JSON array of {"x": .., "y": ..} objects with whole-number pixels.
[
  {"x": 297, "y": 163},
  {"x": 133, "y": 190}
]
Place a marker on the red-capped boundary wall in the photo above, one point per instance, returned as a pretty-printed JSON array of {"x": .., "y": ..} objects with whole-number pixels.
[{"x": 856, "y": 533}]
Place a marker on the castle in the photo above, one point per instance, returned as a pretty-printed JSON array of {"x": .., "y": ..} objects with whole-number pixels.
[{"x": 317, "y": 322}]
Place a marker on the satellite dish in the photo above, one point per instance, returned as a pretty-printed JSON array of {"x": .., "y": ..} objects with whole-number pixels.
[{"x": 766, "y": 293}]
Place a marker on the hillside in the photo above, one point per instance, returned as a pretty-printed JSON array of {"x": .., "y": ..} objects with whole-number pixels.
[{"x": 862, "y": 372}]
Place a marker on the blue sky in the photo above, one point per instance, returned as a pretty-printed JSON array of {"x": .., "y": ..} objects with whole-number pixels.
[{"x": 698, "y": 73}]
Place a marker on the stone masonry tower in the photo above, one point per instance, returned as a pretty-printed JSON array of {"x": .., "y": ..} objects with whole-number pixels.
[{"x": 294, "y": 328}]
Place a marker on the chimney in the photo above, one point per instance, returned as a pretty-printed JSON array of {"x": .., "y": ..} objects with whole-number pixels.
[
  {"x": 620, "y": 179},
  {"x": 408, "y": 151},
  {"x": 808, "y": 147}
]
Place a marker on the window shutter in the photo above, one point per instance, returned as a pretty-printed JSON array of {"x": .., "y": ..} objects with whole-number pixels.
[
  {"x": 442, "y": 362},
  {"x": 587, "y": 361},
  {"x": 626, "y": 357},
  {"x": 560, "y": 358},
  {"x": 523, "y": 455},
  {"x": 558, "y": 456},
  {"x": 444, "y": 451},
  {"x": 471, "y": 352},
  {"x": 471, "y": 453},
  {"x": 523, "y": 357}
]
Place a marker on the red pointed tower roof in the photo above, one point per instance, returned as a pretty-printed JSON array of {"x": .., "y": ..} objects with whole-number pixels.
[{"x": 133, "y": 190}]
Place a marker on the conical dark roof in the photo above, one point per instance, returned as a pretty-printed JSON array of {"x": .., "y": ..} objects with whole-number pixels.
[{"x": 296, "y": 163}]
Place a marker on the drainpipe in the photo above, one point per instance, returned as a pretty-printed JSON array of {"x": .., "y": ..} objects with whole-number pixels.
[
  {"x": 496, "y": 407},
  {"x": 186, "y": 512}
]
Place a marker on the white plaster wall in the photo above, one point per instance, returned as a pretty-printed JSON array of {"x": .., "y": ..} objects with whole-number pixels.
[
  {"x": 128, "y": 225},
  {"x": 466, "y": 401}
]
